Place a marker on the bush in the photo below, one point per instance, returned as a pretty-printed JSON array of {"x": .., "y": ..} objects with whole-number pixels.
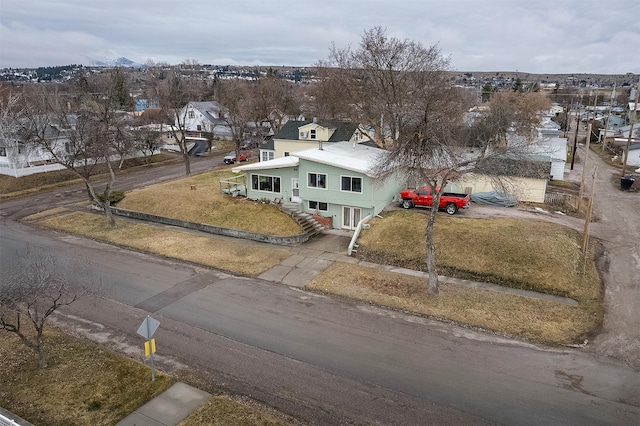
[{"x": 114, "y": 197}]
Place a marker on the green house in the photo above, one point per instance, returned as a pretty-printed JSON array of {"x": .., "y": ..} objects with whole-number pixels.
[{"x": 335, "y": 181}]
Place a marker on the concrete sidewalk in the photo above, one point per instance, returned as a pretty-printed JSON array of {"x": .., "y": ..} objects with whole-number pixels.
[{"x": 169, "y": 408}]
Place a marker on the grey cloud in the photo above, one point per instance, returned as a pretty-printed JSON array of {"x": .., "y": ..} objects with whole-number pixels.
[{"x": 533, "y": 36}]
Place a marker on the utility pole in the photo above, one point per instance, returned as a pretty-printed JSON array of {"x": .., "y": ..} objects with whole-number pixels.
[
  {"x": 633, "y": 121},
  {"x": 584, "y": 166},
  {"x": 606, "y": 126},
  {"x": 566, "y": 125},
  {"x": 587, "y": 219},
  {"x": 575, "y": 136}
]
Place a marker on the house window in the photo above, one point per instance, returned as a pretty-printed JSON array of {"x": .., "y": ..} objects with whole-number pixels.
[
  {"x": 169, "y": 135},
  {"x": 313, "y": 134},
  {"x": 192, "y": 114},
  {"x": 318, "y": 205},
  {"x": 199, "y": 127},
  {"x": 317, "y": 180},
  {"x": 286, "y": 153},
  {"x": 265, "y": 183},
  {"x": 351, "y": 184},
  {"x": 3, "y": 151},
  {"x": 267, "y": 155}
]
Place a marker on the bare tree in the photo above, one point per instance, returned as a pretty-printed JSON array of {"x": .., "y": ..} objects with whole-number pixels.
[
  {"x": 382, "y": 78},
  {"x": 274, "y": 100},
  {"x": 146, "y": 132},
  {"x": 10, "y": 108},
  {"x": 83, "y": 130},
  {"x": 237, "y": 104},
  {"x": 402, "y": 90},
  {"x": 37, "y": 286},
  {"x": 174, "y": 98}
]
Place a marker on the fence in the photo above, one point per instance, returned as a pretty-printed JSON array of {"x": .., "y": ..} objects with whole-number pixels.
[
  {"x": 560, "y": 199},
  {"x": 32, "y": 170}
]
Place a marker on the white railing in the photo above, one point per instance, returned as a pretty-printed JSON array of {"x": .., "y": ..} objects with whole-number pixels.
[
  {"x": 352, "y": 244},
  {"x": 6, "y": 421}
]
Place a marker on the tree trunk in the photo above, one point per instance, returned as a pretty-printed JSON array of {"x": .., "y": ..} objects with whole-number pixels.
[
  {"x": 42, "y": 358},
  {"x": 187, "y": 163},
  {"x": 431, "y": 250},
  {"x": 109, "y": 214}
]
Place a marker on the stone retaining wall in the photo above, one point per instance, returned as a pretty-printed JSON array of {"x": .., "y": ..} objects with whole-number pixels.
[{"x": 294, "y": 239}]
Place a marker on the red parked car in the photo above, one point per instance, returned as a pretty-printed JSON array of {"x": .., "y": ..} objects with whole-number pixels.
[
  {"x": 422, "y": 197},
  {"x": 231, "y": 158}
]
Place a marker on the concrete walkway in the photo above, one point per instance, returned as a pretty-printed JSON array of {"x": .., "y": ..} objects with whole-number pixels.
[
  {"x": 169, "y": 408},
  {"x": 313, "y": 257}
]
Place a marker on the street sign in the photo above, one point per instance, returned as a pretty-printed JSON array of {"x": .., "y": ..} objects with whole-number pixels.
[
  {"x": 146, "y": 330},
  {"x": 148, "y": 327},
  {"x": 150, "y": 347}
]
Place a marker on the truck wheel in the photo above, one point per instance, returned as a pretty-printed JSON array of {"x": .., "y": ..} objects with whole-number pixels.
[
  {"x": 407, "y": 204},
  {"x": 451, "y": 208}
]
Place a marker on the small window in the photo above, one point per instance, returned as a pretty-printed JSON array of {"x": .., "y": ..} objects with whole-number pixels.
[
  {"x": 3, "y": 151},
  {"x": 318, "y": 205},
  {"x": 199, "y": 127},
  {"x": 312, "y": 134},
  {"x": 351, "y": 184},
  {"x": 286, "y": 153},
  {"x": 317, "y": 180},
  {"x": 267, "y": 155},
  {"x": 192, "y": 114},
  {"x": 169, "y": 135}
]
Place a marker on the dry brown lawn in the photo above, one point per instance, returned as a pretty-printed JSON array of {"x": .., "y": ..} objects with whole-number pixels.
[
  {"x": 503, "y": 313},
  {"x": 222, "y": 411},
  {"x": 234, "y": 256},
  {"x": 206, "y": 204},
  {"x": 83, "y": 385},
  {"x": 87, "y": 385},
  {"x": 524, "y": 254}
]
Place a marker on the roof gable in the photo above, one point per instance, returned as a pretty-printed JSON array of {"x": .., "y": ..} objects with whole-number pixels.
[{"x": 339, "y": 130}]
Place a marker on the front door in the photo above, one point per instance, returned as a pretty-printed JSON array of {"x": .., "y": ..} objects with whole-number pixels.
[
  {"x": 350, "y": 217},
  {"x": 295, "y": 190}
]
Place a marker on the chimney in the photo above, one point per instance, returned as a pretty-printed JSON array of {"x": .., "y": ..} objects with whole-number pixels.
[{"x": 315, "y": 120}]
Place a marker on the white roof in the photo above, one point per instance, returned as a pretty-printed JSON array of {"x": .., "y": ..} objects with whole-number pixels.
[
  {"x": 344, "y": 155},
  {"x": 277, "y": 163}
]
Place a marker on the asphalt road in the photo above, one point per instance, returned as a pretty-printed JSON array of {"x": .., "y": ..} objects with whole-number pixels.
[{"x": 325, "y": 360}]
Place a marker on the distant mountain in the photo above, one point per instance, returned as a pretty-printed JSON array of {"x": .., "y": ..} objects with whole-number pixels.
[{"x": 113, "y": 62}]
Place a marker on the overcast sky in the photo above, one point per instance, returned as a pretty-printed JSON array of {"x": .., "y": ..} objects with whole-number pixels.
[{"x": 536, "y": 36}]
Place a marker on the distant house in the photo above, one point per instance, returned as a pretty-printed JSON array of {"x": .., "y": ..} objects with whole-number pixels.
[
  {"x": 550, "y": 143},
  {"x": 298, "y": 135},
  {"x": 334, "y": 181},
  {"x": 634, "y": 154},
  {"x": 202, "y": 118}
]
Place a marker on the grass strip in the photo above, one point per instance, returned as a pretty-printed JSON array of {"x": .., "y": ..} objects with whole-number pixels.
[{"x": 238, "y": 257}]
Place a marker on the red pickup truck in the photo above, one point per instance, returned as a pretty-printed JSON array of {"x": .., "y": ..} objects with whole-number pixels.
[{"x": 449, "y": 201}]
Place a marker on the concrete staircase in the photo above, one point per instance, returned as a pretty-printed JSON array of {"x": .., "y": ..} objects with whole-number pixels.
[{"x": 309, "y": 225}]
